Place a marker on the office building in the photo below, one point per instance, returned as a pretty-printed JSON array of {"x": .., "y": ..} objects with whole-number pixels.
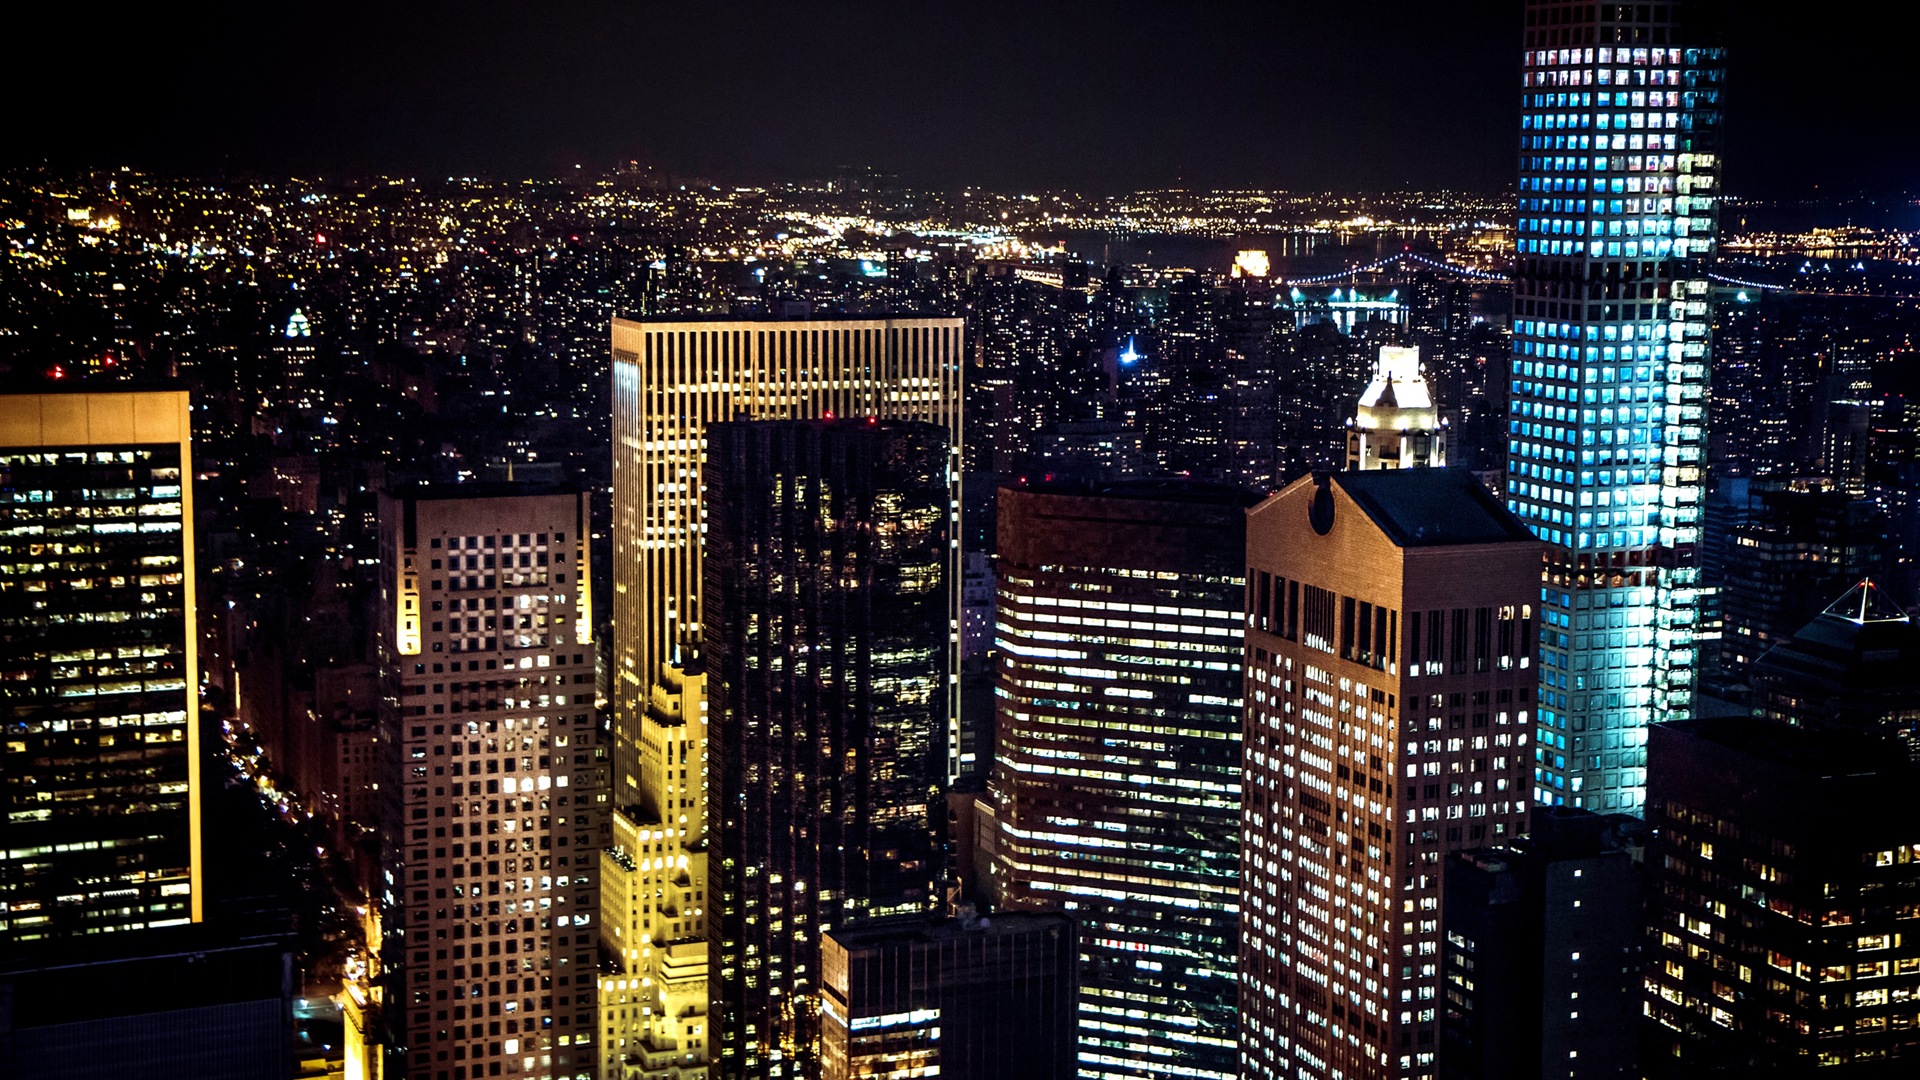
[
  {"x": 1855, "y": 667},
  {"x": 653, "y": 883},
  {"x": 671, "y": 379},
  {"x": 493, "y": 782},
  {"x": 968, "y": 998},
  {"x": 1397, "y": 425},
  {"x": 1619, "y": 195},
  {"x": 1785, "y": 869},
  {"x": 827, "y": 649},
  {"x": 99, "y": 671},
  {"x": 1541, "y": 952},
  {"x": 1389, "y": 687},
  {"x": 1789, "y": 549},
  {"x": 1115, "y": 792},
  {"x": 182, "y": 1003}
]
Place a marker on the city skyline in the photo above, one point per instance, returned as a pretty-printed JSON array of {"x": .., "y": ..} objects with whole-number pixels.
[{"x": 1111, "y": 541}]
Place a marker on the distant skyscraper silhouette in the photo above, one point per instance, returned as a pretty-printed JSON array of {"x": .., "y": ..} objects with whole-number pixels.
[{"x": 1619, "y": 199}]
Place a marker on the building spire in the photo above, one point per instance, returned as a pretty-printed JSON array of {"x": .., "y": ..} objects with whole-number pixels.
[{"x": 1396, "y": 425}]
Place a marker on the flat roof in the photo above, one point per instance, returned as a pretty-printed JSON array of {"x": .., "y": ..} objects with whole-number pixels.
[
  {"x": 764, "y": 317},
  {"x": 914, "y": 929},
  {"x": 1432, "y": 507},
  {"x": 1154, "y": 489},
  {"x": 431, "y": 490}
]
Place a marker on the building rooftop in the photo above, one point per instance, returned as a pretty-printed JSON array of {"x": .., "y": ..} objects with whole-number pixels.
[
  {"x": 822, "y": 317},
  {"x": 1865, "y": 603},
  {"x": 918, "y": 929},
  {"x": 479, "y": 489},
  {"x": 1157, "y": 489},
  {"x": 1828, "y": 755},
  {"x": 1398, "y": 382},
  {"x": 1432, "y": 507},
  {"x": 1862, "y": 643}
]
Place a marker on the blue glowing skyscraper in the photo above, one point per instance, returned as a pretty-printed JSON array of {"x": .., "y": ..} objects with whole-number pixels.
[{"x": 1619, "y": 193}]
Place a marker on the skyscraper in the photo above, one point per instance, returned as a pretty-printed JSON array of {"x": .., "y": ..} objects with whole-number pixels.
[
  {"x": 99, "y": 674},
  {"x": 1785, "y": 873},
  {"x": 492, "y": 782},
  {"x": 672, "y": 379},
  {"x": 1541, "y": 957},
  {"x": 185, "y": 1003},
  {"x": 1397, "y": 425},
  {"x": 653, "y": 887},
  {"x": 1855, "y": 667},
  {"x": 964, "y": 999},
  {"x": 1389, "y": 689},
  {"x": 1116, "y": 792},
  {"x": 1792, "y": 549},
  {"x": 827, "y": 651},
  {"x": 1619, "y": 197}
]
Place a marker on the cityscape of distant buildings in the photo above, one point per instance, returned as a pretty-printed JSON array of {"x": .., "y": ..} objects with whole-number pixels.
[{"x": 625, "y": 628}]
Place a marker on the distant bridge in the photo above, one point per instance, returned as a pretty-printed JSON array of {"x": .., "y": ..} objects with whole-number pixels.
[
  {"x": 1400, "y": 257},
  {"x": 1478, "y": 274}
]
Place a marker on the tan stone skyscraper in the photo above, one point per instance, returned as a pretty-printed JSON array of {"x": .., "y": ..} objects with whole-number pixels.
[
  {"x": 671, "y": 378},
  {"x": 493, "y": 781},
  {"x": 1390, "y": 688}
]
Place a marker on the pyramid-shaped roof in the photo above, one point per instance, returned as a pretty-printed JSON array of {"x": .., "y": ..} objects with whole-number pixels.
[{"x": 1865, "y": 603}]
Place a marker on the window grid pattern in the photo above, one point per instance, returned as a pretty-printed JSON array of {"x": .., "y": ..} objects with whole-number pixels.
[{"x": 1606, "y": 435}]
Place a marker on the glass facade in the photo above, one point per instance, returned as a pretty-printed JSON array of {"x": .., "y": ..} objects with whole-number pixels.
[
  {"x": 1619, "y": 194},
  {"x": 826, "y": 652},
  {"x": 97, "y": 665},
  {"x": 961, "y": 999},
  {"x": 1116, "y": 789}
]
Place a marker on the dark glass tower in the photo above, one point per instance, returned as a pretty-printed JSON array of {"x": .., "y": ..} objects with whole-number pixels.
[
  {"x": 1619, "y": 202},
  {"x": 98, "y": 665},
  {"x": 826, "y": 645},
  {"x": 963, "y": 999},
  {"x": 1116, "y": 789},
  {"x": 1784, "y": 881}
]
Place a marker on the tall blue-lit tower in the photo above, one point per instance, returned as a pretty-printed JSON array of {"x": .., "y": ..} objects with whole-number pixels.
[{"x": 1619, "y": 193}]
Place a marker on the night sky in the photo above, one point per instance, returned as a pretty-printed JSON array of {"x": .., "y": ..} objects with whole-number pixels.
[{"x": 1097, "y": 96}]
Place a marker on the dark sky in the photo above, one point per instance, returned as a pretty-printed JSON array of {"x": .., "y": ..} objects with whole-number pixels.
[{"x": 1047, "y": 93}]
